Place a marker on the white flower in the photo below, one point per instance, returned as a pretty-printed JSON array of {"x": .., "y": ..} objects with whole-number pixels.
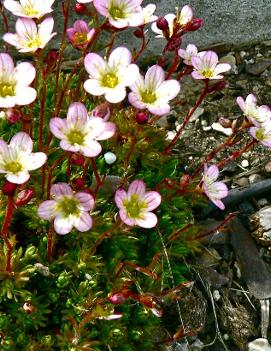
[
  {"x": 29, "y": 37},
  {"x": 68, "y": 209},
  {"x": 79, "y": 132},
  {"x": 15, "y": 81},
  {"x": 121, "y": 13},
  {"x": 17, "y": 158},
  {"x": 153, "y": 92},
  {"x": 110, "y": 78},
  {"x": 170, "y": 20},
  {"x": 29, "y": 8}
]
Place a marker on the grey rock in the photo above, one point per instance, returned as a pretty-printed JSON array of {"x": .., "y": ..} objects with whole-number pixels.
[
  {"x": 260, "y": 344},
  {"x": 254, "y": 178},
  {"x": 257, "y": 68}
]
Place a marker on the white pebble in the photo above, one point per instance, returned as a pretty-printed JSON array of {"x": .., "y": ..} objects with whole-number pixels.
[
  {"x": 216, "y": 295},
  {"x": 218, "y": 127},
  {"x": 110, "y": 158},
  {"x": 245, "y": 163}
]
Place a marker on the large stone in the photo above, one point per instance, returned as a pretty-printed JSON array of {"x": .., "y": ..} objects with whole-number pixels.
[{"x": 226, "y": 23}]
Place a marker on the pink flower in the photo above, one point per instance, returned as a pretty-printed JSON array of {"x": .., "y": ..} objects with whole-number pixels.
[
  {"x": 110, "y": 78},
  {"x": 153, "y": 92},
  {"x": 256, "y": 114},
  {"x": 206, "y": 66},
  {"x": 191, "y": 50},
  {"x": 29, "y": 37},
  {"x": 29, "y": 8},
  {"x": 17, "y": 158},
  {"x": 68, "y": 209},
  {"x": 262, "y": 134},
  {"x": 136, "y": 204},
  {"x": 214, "y": 190},
  {"x": 79, "y": 132},
  {"x": 121, "y": 13},
  {"x": 15, "y": 81},
  {"x": 102, "y": 111},
  {"x": 80, "y": 35}
]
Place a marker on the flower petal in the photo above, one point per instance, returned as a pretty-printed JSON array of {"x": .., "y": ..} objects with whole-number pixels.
[
  {"x": 58, "y": 127},
  {"x": 137, "y": 187},
  {"x": 120, "y": 196},
  {"x": 120, "y": 57},
  {"x": 95, "y": 65},
  {"x": 24, "y": 73},
  {"x": 149, "y": 220},
  {"x": 211, "y": 172},
  {"x": 83, "y": 223},
  {"x": 153, "y": 200},
  {"x": 60, "y": 189},
  {"x": 86, "y": 200},
  {"x": 154, "y": 77},
  {"x": 35, "y": 160},
  {"x": 46, "y": 209},
  {"x": 93, "y": 87},
  {"x": 63, "y": 225},
  {"x": 129, "y": 221},
  {"x": 91, "y": 149},
  {"x": 22, "y": 141},
  {"x": 18, "y": 178},
  {"x": 115, "y": 95}
]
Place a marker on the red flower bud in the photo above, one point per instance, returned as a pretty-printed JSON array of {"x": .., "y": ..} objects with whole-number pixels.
[
  {"x": 24, "y": 197},
  {"x": 79, "y": 183},
  {"x": 12, "y": 116},
  {"x": 138, "y": 33},
  {"x": 195, "y": 24},
  {"x": 80, "y": 9},
  {"x": 225, "y": 122},
  {"x": 9, "y": 188},
  {"x": 118, "y": 298},
  {"x": 217, "y": 86},
  {"x": 185, "y": 180},
  {"x": 162, "y": 24},
  {"x": 28, "y": 308},
  {"x": 142, "y": 117},
  {"x": 78, "y": 159}
]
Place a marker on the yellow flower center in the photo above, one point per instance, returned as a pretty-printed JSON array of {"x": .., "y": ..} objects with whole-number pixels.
[
  {"x": 6, "y": 89},
  {"x": 13, "y": 167},
  {"x": 30, "y": 11},
  {"x": 148, "y": 97},
  {"x": 207, "y": 73},
  {"x": 34, "y": 42},
  {"x": 116, "y": 12},
  {"x": 260, "y": 134},
  {"x": 80, "y": 38},
  {"x": 110, "y": 80},
  {"x": 134, "y": 207},
  {"x": 68, "y": 206},
  {"x": 76, "y": 136}
]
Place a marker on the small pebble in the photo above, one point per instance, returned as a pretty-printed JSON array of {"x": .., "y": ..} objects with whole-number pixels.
[
  {"x": 110, "y": 158},
  {"x": 242, "y": 181},
  {"x": 268, "y": 167},
  {"x": 245, "y": 163},
  {"x": 262, "y": 202},
  {"x": 226, "y": 337},
  {"x": 254, "y": 178},
  {"x": 216, "y": 295},
  {"x": 260, "y": 344}
]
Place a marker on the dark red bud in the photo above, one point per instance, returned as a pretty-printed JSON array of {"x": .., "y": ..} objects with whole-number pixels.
[
  {"x": 78, "y": 160},
  {"x": 139, "y": 33},
  {"x": 185, "y": 180},
  {"x": 79, "y": 183},
  {"x": 162, "y": 23},
  {"x": 217, "y": 86},
  {"x": 118, "y": 298},
  {"x": 225, "y": 122},
  {"x": 195, "y": 24},
  {"x": 9, "y": 188},
  {"x": 80, "y": 9},
  {"x": 142, "y": 117},
  {"x": 12, "y": 116},
  {"x": 24, "y": 197}
]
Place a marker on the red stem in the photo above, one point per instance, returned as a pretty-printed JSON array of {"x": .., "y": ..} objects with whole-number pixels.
[
  {"x": 143, "y": 46},
  {"x": 50, "y": 173},
  {"x": 187, "y": 117},
  {"x": 5, "y": 20},
  {"x": 4, "y": 231},
  {"x": 236, "y": 154},
  {"x": 50, "y": 242},
  {"x": 174, "y": 66},
  {"x": 68, "y": 173},
  {"x": 95, "y": 170}
]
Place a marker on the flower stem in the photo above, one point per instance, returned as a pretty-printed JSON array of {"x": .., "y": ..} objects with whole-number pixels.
[
  {"x": 50, "y": 242},
  {"x": 4, "y": 231},
  {"x": 187, "y": 118},
  {"x": 5, "y": 21},
  {"x": 50, "y": 173},
  {"x": 236, "y": 154},
  {"x": 174, "y": 65},
  {"x": 96, "y": 172},
  {"x": 142, "y": 48}
]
